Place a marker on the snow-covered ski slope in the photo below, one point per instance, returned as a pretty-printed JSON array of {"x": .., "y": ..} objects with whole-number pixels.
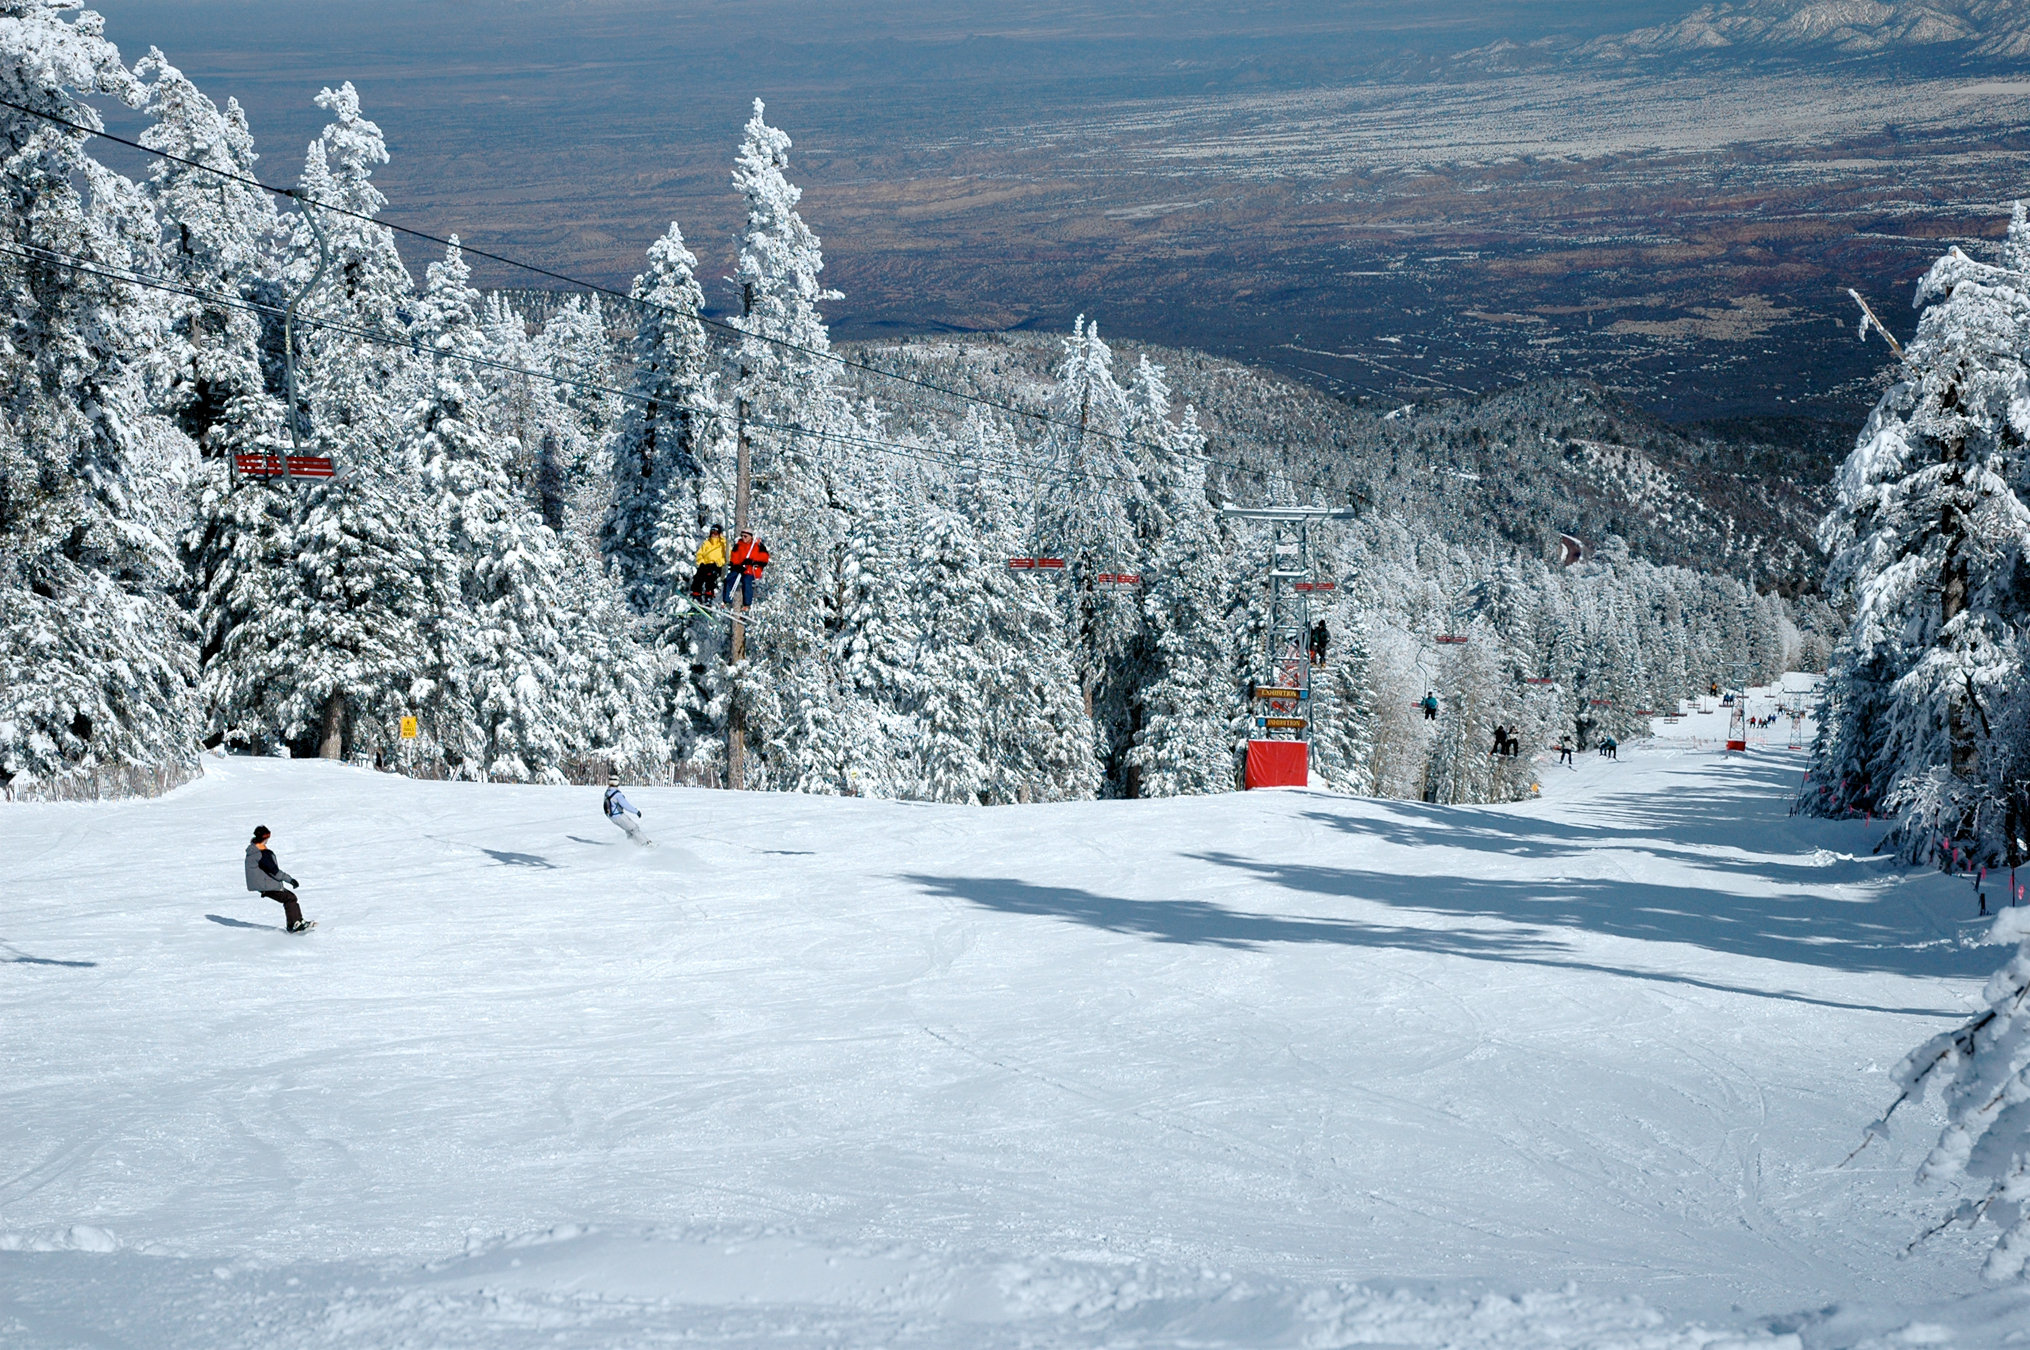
[{"x": 1271, "y": 1069}]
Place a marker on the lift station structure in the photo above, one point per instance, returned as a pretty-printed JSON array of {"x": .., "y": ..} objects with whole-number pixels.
[{"x": 1279, "y": 751}]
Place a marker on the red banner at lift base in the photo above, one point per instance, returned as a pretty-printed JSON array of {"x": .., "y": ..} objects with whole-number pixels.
[
  {"x": 1036, "y": 564},
  {"x": 270, "y": 466},
  {"x": 1278, "y": 764}
]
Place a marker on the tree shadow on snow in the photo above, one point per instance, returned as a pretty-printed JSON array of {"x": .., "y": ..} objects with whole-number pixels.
[
  {"x": 16, "y": 957},
  {"x": 1748, "y": 808},
  {"x": 1202, "y": 923},
  {"x": 1803, "y": 927}
]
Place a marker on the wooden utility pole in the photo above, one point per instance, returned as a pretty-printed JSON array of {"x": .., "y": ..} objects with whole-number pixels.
[{"x": 736, "y": 736}]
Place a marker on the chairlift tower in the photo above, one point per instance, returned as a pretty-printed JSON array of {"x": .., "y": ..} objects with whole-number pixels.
[{"x": 1281, "y": 689}]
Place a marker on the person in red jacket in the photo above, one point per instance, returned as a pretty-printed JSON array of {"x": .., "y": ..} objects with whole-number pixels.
[{"x": 750, "y": 556}]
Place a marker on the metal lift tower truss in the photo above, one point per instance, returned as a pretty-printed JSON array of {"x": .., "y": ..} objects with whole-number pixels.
[{"x": 1282, "y": 686}]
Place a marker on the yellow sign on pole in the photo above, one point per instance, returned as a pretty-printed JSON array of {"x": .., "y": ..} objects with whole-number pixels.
[{"x": 408, "y": 728}]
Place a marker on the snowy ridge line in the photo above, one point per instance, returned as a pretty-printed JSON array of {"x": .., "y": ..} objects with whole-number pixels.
[
  {"x": 296, "y": 195},
  {"x": 919, "y": 453}
]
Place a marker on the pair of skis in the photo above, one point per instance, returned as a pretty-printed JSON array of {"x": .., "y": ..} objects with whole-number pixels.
[{"x": 721, "y": 613}]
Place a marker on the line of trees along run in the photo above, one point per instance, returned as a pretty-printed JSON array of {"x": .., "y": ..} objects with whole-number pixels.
[{"x": 506, "y": 552}]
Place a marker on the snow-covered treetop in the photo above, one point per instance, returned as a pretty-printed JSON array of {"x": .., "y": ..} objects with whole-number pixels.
[
  {"x": 345, "y": 155},
  {"x": 448, "y": 318},
  {"x": 221, "y": 218},
  {"x": 44, "y": 55},
  {"x": 779, "y": 256}
]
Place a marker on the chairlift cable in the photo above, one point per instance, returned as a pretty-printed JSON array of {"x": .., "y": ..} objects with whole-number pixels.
[
  {"x": 598, "y": 288},
  {"x": 918, "y": 453}
]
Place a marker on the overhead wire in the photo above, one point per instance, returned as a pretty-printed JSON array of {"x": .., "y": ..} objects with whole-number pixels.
[
  {"x": 597, "y": 288},
  {"x": 919, "y": 453}
]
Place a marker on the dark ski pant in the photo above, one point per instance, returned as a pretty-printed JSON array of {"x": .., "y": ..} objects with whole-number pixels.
[
  {"x": 291, "y": 913},
  {"x": 706, "y": 584}
]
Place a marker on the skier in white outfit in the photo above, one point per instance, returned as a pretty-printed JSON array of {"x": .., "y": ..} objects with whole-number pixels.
[{"x": 621, "y": 812}]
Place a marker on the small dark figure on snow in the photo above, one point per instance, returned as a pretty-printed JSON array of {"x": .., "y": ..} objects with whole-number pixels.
[
  {"x": 711, "y": 559},
  {"x": 1320, "y": 640},
  {"x": 266, "y": 877},
  {"x": 1565, "y": 751},
  {"x": 1609, "y": 748},
  {"x": 750, "y": 556},
  {"x": 1429, "y": 703}
]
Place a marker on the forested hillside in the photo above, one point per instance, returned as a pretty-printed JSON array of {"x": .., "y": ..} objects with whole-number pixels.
[
  {"x": 503, "y": 560},
  {"x": 1515, "y": 468}
]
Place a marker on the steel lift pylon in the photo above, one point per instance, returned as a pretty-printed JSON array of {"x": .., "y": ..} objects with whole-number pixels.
[{"x": 1279, "y": 750}]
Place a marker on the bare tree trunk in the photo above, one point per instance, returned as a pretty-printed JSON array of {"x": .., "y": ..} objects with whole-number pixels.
[{"x": 332, "y": 746}]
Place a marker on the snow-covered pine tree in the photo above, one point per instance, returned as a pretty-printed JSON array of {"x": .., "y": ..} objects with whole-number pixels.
[
  {"x": 575, "y": 347},
  {"x": 502, "y": 706},
  {"x": 1091, "y": 496},
  {"x": 661, "y": 493},
  {"x": 1475, "y": 698},
  {"x": 789, "y": 698},
  {"x": 1188, "y": 706},
  {"x": 667, "y": 480},
  {"x": 1982, "y": 1070},
  {"x": 1342, "y": 713},
  {"x": 1037, "y": 741},
  {"x": 221, "y": 240},
  {"x": 334, "y": 631},
  {"x": 97, "y": 657},
  {"x": 1929, "y": 538}
]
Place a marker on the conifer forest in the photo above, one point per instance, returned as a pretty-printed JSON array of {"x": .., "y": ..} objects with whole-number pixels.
[{"x": 502, "y": 560}]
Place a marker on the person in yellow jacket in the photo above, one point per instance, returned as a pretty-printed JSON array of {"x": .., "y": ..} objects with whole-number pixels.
[{"x": 711, "y": 562}]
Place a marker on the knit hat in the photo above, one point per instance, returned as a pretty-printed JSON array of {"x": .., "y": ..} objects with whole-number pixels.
[{"x": 260, "y": 833}]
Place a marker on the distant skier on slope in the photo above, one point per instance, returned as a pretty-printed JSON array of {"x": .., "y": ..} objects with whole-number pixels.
[
  {"x": 1565, "y": 751},
  {"x": 621, "y": 812},
  {"x": 266, "y": 877}
]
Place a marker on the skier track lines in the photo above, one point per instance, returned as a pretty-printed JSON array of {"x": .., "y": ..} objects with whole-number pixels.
[{"x": 823, "y": 354}]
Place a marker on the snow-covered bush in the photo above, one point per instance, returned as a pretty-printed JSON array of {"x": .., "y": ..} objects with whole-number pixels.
[{"x": 1982, "y": 1070}]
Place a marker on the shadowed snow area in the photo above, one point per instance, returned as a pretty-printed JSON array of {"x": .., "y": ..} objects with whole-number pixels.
[{"x": 1280, "y": 1069}]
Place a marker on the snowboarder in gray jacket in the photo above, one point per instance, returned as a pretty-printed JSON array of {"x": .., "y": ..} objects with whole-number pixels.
[
  {"x": 621, "y": 811},
  {"x": 266, "y": 877}
]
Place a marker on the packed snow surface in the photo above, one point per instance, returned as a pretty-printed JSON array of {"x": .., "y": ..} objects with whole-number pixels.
[{"x": 1281, "y": 1069}]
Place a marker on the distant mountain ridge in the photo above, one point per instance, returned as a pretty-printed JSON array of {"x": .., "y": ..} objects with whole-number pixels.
[
  {"x": 1974, "y": 31},
  {"x": 1997, "y": 29}
]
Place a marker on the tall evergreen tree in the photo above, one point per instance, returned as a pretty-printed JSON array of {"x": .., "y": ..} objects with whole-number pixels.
[
  {"x": 222, "y": 237},
  {"x": 333, "y": 631},
  {"x": 790, "y": 697},
  {"x": 1091, "y": 496},
  {"x": 1188, "y": 702},
  {"x": 1929, "y": 537},
  {"x": 96, "y": 695}
]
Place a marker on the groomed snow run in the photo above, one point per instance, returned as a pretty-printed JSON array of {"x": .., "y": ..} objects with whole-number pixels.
[{"x": 1274, "y": 1069}]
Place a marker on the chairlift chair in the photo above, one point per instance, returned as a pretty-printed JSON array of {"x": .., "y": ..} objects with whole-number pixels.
[{"x": 294, "y": 463}]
